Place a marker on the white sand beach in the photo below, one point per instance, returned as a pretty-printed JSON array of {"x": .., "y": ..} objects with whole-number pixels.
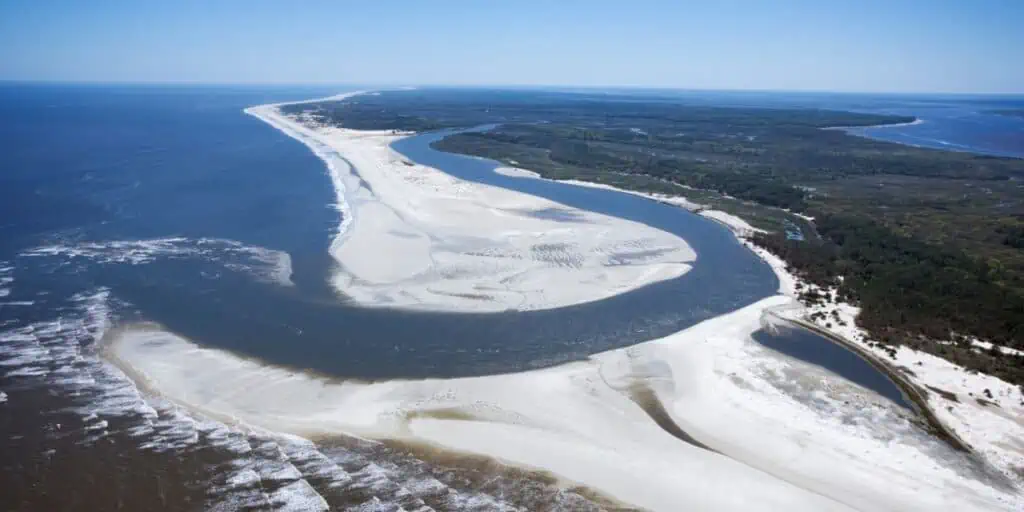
[
  {"x": 415, "y": 237},
  {"x": 789, "y": 436}
]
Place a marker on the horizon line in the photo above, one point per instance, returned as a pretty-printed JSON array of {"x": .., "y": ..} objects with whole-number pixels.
[{"x": 499, "y": 86}]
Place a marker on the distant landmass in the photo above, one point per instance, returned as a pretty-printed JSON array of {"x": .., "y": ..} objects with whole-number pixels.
[{"x": 1009, "y": 112}]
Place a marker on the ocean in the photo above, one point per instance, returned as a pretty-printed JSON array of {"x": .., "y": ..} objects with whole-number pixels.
[
  {"x": 950, "y": 122},
  {"x": 167, "y": 204}
]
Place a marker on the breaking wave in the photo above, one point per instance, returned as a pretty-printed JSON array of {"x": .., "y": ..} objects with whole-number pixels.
[
  {"x": 337, "y": 167},
  {"x": 52, "y": 373},
  {"x": 6, "y": 278},
  {"x": 267, "y": 265}
]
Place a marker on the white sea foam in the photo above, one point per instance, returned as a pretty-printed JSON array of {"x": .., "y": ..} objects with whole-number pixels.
[
  {"x": 6, "y": 278},
  {"x": 414, "y": 237},
  {"x": 17, "y": 303},
  {"x": 61, "y": 351},
  {"x": 791, "y": 436},
  {"x": 265, "y": 264},
  {"x": 265, "y": 470}
]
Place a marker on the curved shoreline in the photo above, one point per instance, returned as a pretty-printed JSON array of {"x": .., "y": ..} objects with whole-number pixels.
[
  {"x": 916, "y": 121},
  {"x": 910, "y": 390},
  {"x": 461, "y": 246}
]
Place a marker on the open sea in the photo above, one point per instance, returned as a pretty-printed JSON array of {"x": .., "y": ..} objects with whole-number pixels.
[{"x": 167, "y": 204}]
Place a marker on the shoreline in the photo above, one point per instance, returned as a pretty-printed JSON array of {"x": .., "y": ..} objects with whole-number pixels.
[
  {"x": 737, "y": 225},
  {"x": 946, "y": 392},
  {"x": 910, "y": 390},
  {"x": 916, "y": 121},
  {"x": 339, "y": 187},
  {"x": 926, "y": 143}
]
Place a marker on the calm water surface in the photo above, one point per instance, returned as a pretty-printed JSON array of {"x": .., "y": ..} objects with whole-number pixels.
[{"x": 952, "y": 122}]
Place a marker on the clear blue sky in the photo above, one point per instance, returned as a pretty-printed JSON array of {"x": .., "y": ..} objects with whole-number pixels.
[{"x": 839, "y": 45}]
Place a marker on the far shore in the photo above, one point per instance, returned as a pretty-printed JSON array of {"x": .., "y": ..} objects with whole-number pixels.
[{"x": 916, "y": 121}]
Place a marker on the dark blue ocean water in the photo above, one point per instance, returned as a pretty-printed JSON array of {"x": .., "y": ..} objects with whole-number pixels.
[
  {"x": 138, "y": 162},
  {"x": 957, "y": 124},
  {"x": 111, "y": 168}
]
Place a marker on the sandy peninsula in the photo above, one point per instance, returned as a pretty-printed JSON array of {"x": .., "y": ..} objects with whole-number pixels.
[{"x": 415, "y": 237}]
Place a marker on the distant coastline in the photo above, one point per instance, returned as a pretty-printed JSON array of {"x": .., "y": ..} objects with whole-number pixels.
[
  {"x": 1009, "y": 112},
  {"x": 916, "y": 121}
]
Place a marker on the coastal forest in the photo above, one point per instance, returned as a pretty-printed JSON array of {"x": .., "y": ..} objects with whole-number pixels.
[{"x": 929, "y": 243}]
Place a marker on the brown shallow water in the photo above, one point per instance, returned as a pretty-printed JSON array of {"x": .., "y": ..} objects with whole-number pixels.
[{"x": 76, "y": 434}]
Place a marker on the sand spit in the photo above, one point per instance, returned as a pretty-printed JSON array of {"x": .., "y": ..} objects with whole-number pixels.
[
  {"x": 415, "y": 237},
  {"x": 915, "y": 122}
]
